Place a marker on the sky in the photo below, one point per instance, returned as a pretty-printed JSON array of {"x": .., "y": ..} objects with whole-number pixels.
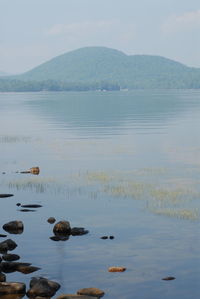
[{"x": 34, "y": 31}]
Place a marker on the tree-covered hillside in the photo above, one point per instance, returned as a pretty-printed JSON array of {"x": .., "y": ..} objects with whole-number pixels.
[{"x": 97, "y": 67}]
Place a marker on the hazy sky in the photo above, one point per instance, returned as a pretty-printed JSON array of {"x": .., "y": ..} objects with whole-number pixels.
[{"x": 34, "y": 31}]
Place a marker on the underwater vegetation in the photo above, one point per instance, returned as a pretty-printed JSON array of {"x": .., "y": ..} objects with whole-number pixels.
[{"x": 161, "y": 193}]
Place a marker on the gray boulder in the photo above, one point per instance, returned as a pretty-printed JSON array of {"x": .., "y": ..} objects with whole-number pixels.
[
  {"x": 14, "y": 227},
  {"x": 42, "y": 287},
  {"x": 7, "y": 245},
  {"x": 62, "y": 227}
]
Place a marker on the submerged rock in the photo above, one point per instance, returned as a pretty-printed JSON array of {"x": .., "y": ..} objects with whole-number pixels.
[
  {"x": 12, "y": 288},
  {"x": 9, "y": 267},
  {"x": 78, "y": 231},
  {"x": 27, "y": 269},
  {"x": 31, "y": 206},
  {"x": 5, "y": 195},
  {"x": 107, "y": 237},
  {"x": 7, "y": 245},
  {"x": 94, "y": 292},
  {"x": 169, "y": 278},
  {"x": 62, "y": 231},
  {"x": 26, "y": 210},
  {"x": 62, "y": 227},
  {"x": 51, "y": 220},
  {"x": 10, "y": 257},
  {"x": 14, "y": 227},
  {"x": 42, "y": 287}
]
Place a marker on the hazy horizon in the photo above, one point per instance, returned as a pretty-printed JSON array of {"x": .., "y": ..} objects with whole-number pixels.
[{"x": 33, "y": 32}]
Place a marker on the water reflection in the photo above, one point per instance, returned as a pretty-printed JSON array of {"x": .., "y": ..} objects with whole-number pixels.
[{"x": 114, "y": 113}]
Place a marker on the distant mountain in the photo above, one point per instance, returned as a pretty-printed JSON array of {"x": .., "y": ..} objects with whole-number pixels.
[{"x": 91, "y": 65}]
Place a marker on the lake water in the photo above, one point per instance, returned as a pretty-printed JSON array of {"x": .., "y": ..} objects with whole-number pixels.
[{"x": 125, "y": 164}]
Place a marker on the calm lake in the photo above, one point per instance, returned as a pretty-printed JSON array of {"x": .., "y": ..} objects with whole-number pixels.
[{"x": 123, "y": 164}]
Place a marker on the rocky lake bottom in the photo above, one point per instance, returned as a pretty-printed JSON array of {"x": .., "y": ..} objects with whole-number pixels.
[{"x": 121, "y": 170}]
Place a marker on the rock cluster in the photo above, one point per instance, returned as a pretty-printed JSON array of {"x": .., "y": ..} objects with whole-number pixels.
[
  {"x": 40, "y": 287},
  {"x": 62, "y": 231}
]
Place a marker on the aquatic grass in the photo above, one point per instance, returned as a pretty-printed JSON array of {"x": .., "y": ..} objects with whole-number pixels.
[
  {"x": 101, "y": 177},
  {"x": 163, "y": 197},
  {"x": 168, "y": 195},
  {"x": 52, "y": 185},
  {"x": 127, "y": 189},
  {"x": 151, "y": 171},
  {"x": 185, "y": 214},
  {"x": 36, "y": 184}
]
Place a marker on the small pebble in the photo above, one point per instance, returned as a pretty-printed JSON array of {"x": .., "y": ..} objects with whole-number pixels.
[{"x": 116, "y": 269}]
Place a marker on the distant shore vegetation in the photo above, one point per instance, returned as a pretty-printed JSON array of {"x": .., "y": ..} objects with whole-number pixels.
[
  {"x": 9, "y": 85},
  {"x": 51, "y": 85}
]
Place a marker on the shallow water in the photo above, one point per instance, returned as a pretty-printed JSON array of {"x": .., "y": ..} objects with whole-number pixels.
[{"x": 125, "y": 164}]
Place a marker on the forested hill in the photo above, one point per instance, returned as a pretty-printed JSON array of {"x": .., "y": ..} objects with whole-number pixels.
[{"x": 98, "y": 67}]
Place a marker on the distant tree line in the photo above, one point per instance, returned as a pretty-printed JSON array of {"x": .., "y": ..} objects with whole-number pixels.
[
  {"x": 159, "y": 82},
  {"x": 7, "y": 85}
]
